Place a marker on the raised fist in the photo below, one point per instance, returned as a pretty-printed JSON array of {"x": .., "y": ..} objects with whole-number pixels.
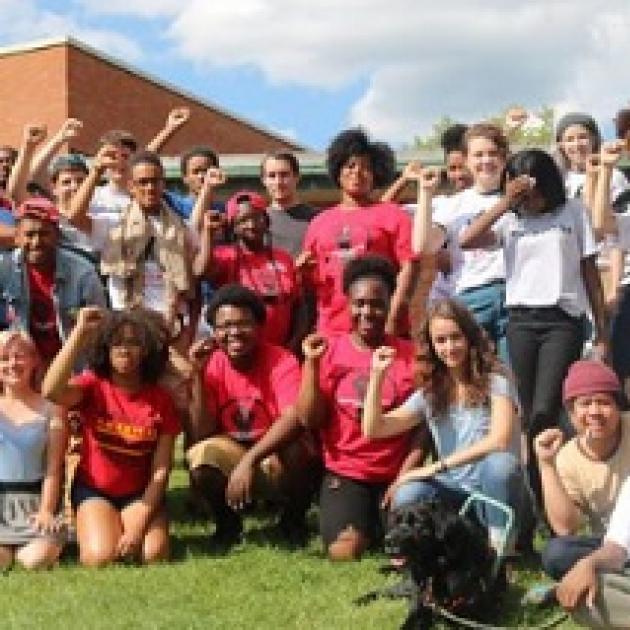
[
  {"x": 515, "y": 117},
  {"x": 90, "y": 318},
  {"x": 412, "y": 171},
  {"x": 547, "y": 444},
  {"x": 70, "y": 128},
  {"x": 214, "y": 177},
  {"x": 382, "y": 358},
  {"x": 177, "y": 117},
  {"x": 314, "y": 347},
  {"x": 34, "y": 133},
  {"x": 213, "y": 221},
  {"x": 610, "y": 152},
  {"x": 429, "y": 179},
  {"x": 200, "y": 351}
]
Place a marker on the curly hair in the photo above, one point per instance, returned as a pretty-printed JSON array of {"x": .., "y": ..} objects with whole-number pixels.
[
  {"x": 239, "y": 296},
  {"x": 480, "y": 362},
  {"x": 356, "y": 142},
  {"x": 371, "y": 266},
  {"x": 152, "y": 337}
]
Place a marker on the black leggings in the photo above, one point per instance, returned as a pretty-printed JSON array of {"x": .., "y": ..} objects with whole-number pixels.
[{"x": 542, "y": 343}]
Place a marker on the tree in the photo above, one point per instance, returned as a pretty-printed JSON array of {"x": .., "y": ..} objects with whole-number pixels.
[{"x": 534, "y": 130}]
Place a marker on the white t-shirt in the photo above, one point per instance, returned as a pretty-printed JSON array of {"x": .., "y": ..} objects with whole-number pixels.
[
  {"x": 443, "y": 286},
  {"x": 472, "y": 268},
  {"x": 108, "y": 199},
  {"x": 542, "y": 257},
  {"x": 574, "y": 184},
  {"x": 619, "y": 526}
]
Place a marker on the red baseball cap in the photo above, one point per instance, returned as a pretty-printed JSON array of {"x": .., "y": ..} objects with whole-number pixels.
[
  {"x": 254, "y": 200},
  {"x": 38, "y": 208}
]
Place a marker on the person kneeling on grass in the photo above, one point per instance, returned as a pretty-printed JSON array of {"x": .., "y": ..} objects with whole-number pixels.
[
  {"x": 581, "y": 480},
  {"x": 470, "y": 407},
  {"x": 359, "y": 472},
  {"x": 32, "y": 442},
  {"x": 246, "y": 441},
  {"x": 128, "y": 427}
]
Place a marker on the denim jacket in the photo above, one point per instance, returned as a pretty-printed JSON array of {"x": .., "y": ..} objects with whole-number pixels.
[{"x": 76, "y": 285}]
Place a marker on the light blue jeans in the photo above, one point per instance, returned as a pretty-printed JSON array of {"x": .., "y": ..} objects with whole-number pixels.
[
  {"x": 487, "y": 304},
  {"x": 501, "y": 477}
]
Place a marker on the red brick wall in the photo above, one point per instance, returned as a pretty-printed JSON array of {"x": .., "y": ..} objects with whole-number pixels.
[
  {"x": 107, "y": 97},
  {"x": 32, "y": 89},
  {"x": 49, "y": 84}
]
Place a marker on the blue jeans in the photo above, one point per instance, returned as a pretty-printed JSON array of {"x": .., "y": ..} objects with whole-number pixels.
[
  {"x": 563, "y": 552},
  {"x": 487, "y": 304},
  {"x": 501, "y": 477}
]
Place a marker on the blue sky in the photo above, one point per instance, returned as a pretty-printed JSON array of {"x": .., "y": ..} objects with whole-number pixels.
[{"x": 308, "y": 68}]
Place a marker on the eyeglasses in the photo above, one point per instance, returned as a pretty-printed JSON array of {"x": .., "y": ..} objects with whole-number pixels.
[
  {"x": 143, "y": 182},
  {"x": 227, "y": 327}
]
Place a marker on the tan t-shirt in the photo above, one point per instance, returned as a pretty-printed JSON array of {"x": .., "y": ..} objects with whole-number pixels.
[{"x": 594, "y": 486}]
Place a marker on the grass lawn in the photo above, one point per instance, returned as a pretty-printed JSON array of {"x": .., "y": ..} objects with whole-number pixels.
[{"x": 258, "y": 585}]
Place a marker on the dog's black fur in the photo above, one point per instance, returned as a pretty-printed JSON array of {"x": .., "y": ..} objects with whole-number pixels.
[{"x": 447, "y": 561}]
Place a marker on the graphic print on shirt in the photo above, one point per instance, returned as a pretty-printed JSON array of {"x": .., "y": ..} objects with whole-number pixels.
[
  {"x": 349, "y": 242},
  {"x": 246, "y": 419},
  {"x": 351, "y": 386},
  {"x": 119, "y": 435}
]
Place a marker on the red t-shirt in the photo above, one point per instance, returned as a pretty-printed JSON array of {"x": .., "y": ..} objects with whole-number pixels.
[
  {"x": 339, "y": 234},
  {"x": 246, "y": 404},
  {"x": 43, "y": 321},
  {"x": 120, "y": 433},
  {"x": 271, "y": 275},
  {"x": 344, "y": 374}
]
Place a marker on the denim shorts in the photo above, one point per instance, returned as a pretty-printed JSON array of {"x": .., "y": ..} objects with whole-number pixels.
[{"x": 82, "y": 492}]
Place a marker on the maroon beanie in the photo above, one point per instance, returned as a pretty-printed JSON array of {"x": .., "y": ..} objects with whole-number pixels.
[{"x": 589, "y": 377}]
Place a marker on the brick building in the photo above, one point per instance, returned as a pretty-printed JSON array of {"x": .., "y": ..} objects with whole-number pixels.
[{"x": 49, "y": 81}]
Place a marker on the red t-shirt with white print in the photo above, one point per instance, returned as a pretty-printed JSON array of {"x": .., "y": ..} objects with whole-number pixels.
[{"x": 344, "y": 374}]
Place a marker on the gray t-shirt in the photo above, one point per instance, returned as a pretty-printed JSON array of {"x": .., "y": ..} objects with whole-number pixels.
[
  {"x": 287, "y": 227},
  {"x": 542, "y": 257},
  {"x": 460, "y": 427}
]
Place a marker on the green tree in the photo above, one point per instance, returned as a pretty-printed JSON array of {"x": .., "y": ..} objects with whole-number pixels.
[{"x": 527, "y": 135}]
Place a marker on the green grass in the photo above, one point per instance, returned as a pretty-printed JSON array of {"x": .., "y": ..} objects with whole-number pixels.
[{"x": 258, "y": 585}]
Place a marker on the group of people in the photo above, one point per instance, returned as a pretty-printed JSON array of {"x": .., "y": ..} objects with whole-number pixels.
[{"x": 299, "y": 351}]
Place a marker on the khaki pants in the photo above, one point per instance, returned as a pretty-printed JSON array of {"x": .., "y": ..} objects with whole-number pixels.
[
  {"x": 612, "y": 604},
  {"x": 224, "y": 453}
]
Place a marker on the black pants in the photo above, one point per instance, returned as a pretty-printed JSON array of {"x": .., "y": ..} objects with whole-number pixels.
[{"x": 542, "y": 343}]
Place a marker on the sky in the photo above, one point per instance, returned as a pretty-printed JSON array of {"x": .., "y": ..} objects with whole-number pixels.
[{"x": 309, "y": 68}]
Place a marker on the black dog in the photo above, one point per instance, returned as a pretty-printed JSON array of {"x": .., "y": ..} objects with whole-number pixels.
[{"x": 447, "y": 561}]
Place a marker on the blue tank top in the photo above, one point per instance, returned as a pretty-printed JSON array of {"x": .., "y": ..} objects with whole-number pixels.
[{"x": 23, "y": 449}]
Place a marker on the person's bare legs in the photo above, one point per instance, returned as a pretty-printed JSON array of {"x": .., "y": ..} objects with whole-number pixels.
[
  {"x": 99, "y": 528},
  {"x": 349, "y": 545},
  {"x": 6, "y": 557},
  {"x": 156, "y": 544},
  {"x": 39, "y": 554}
]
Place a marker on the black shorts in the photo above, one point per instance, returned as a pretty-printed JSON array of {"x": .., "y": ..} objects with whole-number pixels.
[
  {"x": 347, "y": 502},
  {"x": 82, "y": 492}
]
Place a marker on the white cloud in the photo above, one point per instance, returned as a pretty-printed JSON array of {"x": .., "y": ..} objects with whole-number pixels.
[
  {"x": 419, "y": 59},
  {"x": 23, "y": 20},
  {"x": 467, "y": 58},
  {"x": 137, "y": 8}
]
